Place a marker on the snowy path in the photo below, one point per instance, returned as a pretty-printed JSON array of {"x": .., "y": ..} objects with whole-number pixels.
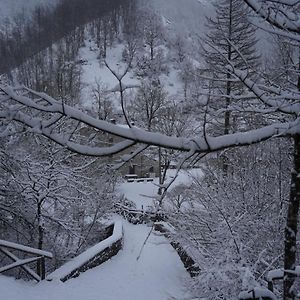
[
  {"x": 157, "y": 275},
  {"x": 143, "y": 193}
]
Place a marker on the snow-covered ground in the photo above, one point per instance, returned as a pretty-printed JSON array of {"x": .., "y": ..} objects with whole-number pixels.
[
  {"x": 157, "y": 275},
  {"x": 143, "y": 193},
  {"x": 152, "y": 271},
  {"x": 93, "y": 71},
  {"x": 186, "y": 17}
]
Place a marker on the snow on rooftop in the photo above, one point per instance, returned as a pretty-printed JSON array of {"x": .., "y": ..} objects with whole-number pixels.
[
  {"x": 258, "y": 293},
  {"x": 279, "y": 273}
]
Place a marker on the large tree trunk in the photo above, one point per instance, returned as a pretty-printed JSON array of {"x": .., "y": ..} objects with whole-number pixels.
[
  {"x": 290, "y": 243},
  {"x": 228, "y": 90}
]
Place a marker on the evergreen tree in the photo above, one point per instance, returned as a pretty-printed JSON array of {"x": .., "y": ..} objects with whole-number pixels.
[{"x": 230, "y": 38}]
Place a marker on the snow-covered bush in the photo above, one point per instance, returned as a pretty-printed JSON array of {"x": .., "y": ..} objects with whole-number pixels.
[{"x": 233, "y": 224}]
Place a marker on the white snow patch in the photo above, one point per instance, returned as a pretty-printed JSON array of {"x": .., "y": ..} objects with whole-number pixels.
[
  {"x": 143, "y": 193},
  {"x": 93, "y": 71},
  {"x": 158, "y": 274},
  {"x": 257, "y": 292}
]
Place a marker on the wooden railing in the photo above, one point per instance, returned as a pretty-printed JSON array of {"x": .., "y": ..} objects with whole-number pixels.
[
  {"x": 278, "y": 274},
  {"x": 40, "y": 255},
  {"x": 267, "y": 294},
  {"x": 138, "y": 216}
]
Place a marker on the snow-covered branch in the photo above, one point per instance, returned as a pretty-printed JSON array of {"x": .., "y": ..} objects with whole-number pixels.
[
  {"x": 131, "y": 136},
  {"x": 283, "y": 101},
  {"x": 281, "y": 14}
]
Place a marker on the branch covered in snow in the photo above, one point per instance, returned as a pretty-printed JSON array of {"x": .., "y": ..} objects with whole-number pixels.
[
  {"x": 282, "y": 13},
  {"x": 43, "y": 114},
  {"x": 283, "y": 101}
]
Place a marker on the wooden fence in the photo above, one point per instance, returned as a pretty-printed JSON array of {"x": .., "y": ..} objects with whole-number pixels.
[
  {"x": 40, "y": 255},
  {"x": 137, "y": 216}
]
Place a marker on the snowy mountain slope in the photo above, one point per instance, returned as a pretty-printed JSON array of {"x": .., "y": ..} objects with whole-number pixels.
[
  {"x": 158, "y": 274},
  {"x": 93, "y": 72},
  {"x": 186, "y": 17}
]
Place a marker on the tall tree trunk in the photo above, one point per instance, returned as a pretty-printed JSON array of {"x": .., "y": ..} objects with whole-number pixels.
[
  {"x": 228, "y": 90},
  {"x": 159, "y": 172},
  {"x": 40, "y": 267},
  {"x": 290, "y": 243}
]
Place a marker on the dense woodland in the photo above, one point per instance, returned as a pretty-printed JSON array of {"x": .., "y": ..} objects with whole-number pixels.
[
  {"x": 47, "y": 193},
  {"x": 236, "y": 115}
]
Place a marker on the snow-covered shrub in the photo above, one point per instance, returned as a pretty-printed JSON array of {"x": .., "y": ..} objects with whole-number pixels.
[{"x": 234, "y": 224}]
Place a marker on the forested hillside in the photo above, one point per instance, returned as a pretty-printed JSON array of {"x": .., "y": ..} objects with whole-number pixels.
[
  {"x": 181, "y": 115},
  {"x": 11, "y": 8},
  {"x": 47, "y": 201}
]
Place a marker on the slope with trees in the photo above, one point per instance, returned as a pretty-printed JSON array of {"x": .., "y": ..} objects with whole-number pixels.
[{"x": 277, "y": 106}]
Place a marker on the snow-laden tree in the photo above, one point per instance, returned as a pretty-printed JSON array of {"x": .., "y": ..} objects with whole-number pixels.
[
  {"x": 230, "y": 37},
  {"x": 148, "y": 103},
  {"x": 283, "y": 16},
  {"x": 233, "y": 225},
  {"x": 280, "y": 105},
  {"x": 151, "y": 60},
  {"x": 103, "y": 105},
  {"x": 49, "y": 197},
  {"x": 153, "y": 32}
]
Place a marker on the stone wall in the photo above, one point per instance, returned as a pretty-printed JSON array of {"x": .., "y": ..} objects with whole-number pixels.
[
  {"x": 186, "y": 259},
  {"x": 93, "y": 256},
  {"x": 97, "y": 260}
]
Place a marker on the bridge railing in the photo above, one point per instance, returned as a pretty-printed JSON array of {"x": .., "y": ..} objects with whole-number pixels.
[
  {"x": 7, "y": 247},
  {"x": 138, "y": 216}
]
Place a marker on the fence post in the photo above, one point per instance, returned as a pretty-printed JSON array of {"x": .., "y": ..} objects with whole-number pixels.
[
  {"x": 38, "y": 267},
  {"x": 270, "y": 286},
  {"x": 43, "y": 269}
]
